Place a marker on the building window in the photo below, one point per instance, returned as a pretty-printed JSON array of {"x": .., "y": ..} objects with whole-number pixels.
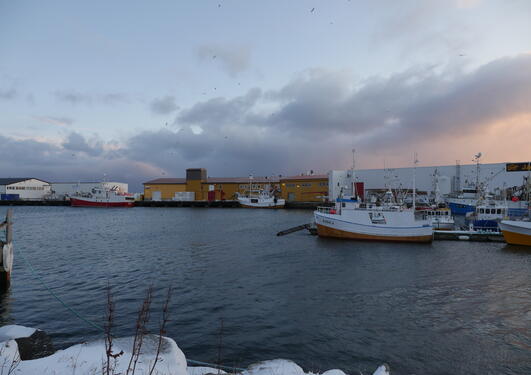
[
  {"x": 290, "y": 185},
  {"x": 306, "y": 185}
]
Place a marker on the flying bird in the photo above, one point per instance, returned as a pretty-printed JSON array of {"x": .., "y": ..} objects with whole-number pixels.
[{"x": 311, "y": 11}]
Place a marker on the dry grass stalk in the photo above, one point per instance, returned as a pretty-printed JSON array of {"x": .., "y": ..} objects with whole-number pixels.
[
  {"x": 162, "y": 327},
  {"x": 109, "y": 320},
  {"x": 140, "y": 330}
]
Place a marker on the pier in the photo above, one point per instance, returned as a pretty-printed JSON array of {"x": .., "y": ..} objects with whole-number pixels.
[
  {"x": 6, "y": 251},
  {"x": 465, "y": 235},
  {"x": 165, "y": 203}
]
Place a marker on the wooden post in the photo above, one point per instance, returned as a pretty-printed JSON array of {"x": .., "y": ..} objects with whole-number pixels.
[{"x": 6, "y": 251}]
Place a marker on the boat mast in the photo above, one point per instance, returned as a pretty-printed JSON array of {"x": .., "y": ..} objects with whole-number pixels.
[
  {"x": 354, "y": 187},
  {"x": 250, "y": 184},
  {"x": 415, "y": 161},
  {"x": 476, "y": 159}
]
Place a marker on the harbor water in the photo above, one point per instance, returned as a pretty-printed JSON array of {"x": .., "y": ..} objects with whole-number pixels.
[{"x": 243, "y": 295}]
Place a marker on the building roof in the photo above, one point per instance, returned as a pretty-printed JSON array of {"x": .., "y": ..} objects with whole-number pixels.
[
  {"x": 241, "y": 180},
  {"x": 166, "y": 181},
  {"x": 238, "y": 180},
  {"x": 214, "y": 180},
  {"x": 87, "y": 182},
  {"x": 14, "y": 180},
  {"x": 310, "y": 177}
]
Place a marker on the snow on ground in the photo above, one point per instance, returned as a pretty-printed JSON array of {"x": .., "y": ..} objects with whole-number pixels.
[
  {"x": 90, "y": 359},
  {"x": 199, "y": 370},
  {"x": 10, "y": 332}
]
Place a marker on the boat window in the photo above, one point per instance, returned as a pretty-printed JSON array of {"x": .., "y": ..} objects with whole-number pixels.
[
  {"x": 481, "y": 210},
  {"x": 499, "y": 211},
  {"x": 377, "y": 218},
  {"x": 343, "y": 204},
  {"x": 254, "y": 200}
]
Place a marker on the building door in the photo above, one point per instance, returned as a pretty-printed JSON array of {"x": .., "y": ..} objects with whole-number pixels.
[
  {"x": 291, "y": 197},
  {"x": 211, "y": 195},
  {"x": 157, "y": 196}
]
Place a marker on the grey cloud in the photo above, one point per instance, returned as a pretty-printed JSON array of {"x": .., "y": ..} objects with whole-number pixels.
[
  {"x": 54, "y": 163},
  {"x": 8, "y": 94},
  {"x": 234, "y": 59},
  {"x": 413, "y": 105},
  {"x": 74, "y": 97},
  {"x": 311, "y": 122},
  {"x": 54, "y": 120},
  {"x": 164, "y": 105},
  {"x": 76, "y": 142},
  {"x": 218, "y": 111}
]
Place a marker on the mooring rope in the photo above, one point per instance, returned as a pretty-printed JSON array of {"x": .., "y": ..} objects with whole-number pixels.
[
  {"x": 94, "y": 325},
  {"x": 100, "y": 328}
]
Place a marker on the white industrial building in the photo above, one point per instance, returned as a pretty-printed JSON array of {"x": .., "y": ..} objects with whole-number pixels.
[
  {"x": 24, "y": 188},
  {"x": 61, "y": 190},
  {"x": 452, "y": 178}
]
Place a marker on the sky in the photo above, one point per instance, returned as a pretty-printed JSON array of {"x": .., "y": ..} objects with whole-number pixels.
[{"x": 134, "y": 90}]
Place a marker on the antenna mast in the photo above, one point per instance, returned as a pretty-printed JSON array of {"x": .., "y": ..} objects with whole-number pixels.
[
  {"x": 354, "y": 187},
  {"x": 415, "y": 161},
  {"x": 476, "y": 159}
]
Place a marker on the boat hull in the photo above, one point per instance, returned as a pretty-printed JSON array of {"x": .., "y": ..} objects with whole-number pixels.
[
  {"x": 261, "y": 203},
  {"x": 516, "y": 233},
  {"x": 325, "y": 231},
  {"x": 261, "y": 206},
  {"x": 460, "y": 208},
  {"x": 77, "y": 202},
  {"x": 330, "y": 226},
  {"x": 443, "y": 225}
]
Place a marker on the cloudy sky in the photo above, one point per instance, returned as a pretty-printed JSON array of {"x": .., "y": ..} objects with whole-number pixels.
[{"x": 139, "y": 90}]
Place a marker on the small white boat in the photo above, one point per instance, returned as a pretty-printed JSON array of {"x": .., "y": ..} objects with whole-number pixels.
[
  {"x": 261, "y": 201},
  {"x": 440, "y": 217},
  {"x": 516, "y": 232},
  {"x": 264, "y": 198}
]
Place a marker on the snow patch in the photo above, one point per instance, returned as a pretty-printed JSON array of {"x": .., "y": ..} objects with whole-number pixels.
[
  {"x": 382, "y": 370},
  {"x": 199, "y": 370},
  {"x": 10, "y": 332},
  {"x": 274, "y": 367},
  {"x": 333, "y": 372},
  {"x": 90, "y": 358}
]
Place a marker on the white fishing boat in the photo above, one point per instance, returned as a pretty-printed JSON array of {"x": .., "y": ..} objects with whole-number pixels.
[
  {"x": 440, "y": 217},
  {"x": 353, "y": 220},
  {"x": 516, "y": 232},
  {"x": 266, "y": 197},
  {"x": 487, "y": 214},
  {"x": 437, "y": 212},
  {"x": 367, "y": 221}
]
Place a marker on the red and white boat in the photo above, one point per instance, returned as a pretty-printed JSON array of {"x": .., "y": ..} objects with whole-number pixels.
[{"x": 101, "y": 197}]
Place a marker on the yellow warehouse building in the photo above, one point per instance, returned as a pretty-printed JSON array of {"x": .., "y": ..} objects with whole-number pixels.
[{"x": 197, "y": 186}]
